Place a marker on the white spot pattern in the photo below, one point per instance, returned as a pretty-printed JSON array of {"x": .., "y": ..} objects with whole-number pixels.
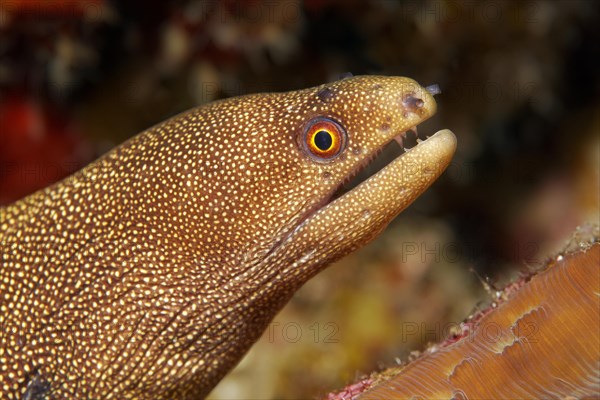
[{"x": 149, "y": 273}]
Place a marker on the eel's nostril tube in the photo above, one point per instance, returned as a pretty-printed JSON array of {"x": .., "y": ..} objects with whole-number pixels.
[{"x": 433, "y": 89}]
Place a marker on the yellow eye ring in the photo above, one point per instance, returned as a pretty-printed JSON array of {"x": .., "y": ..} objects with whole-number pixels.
[{"x": 324, "y": 139}]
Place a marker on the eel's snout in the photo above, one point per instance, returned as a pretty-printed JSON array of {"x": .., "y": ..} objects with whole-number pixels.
[{"x": 417, "y": 101}]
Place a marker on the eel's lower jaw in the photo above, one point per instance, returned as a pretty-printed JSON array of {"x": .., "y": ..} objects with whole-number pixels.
[{"x": 411, "y": 172}]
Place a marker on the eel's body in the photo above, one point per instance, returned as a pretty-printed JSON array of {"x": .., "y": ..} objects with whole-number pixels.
[{"x": 149, "y": 273}]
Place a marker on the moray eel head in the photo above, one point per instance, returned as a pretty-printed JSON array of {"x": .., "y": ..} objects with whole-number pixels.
[
  {"x": 149, "y": 273},
  {"x": 329, "y": 136}
]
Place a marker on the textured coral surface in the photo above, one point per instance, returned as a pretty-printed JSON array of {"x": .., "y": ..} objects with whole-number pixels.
[{"x": 542, "y": 342}]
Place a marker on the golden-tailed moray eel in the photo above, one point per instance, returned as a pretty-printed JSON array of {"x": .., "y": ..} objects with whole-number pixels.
[{"x": 149, "y": 273}]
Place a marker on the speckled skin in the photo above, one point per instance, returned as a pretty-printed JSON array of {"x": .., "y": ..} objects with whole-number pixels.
[{"x": 149, "y": 273}]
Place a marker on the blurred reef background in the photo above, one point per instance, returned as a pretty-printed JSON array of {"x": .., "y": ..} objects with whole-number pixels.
[{"x": 520, "y": 87}]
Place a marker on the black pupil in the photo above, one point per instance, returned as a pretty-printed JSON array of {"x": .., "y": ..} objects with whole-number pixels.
[{"x": 323, "y": 140}]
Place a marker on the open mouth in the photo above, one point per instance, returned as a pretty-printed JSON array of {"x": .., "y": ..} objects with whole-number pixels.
[
  {"x": 381, "y": 165},
  {"x": 360, "y": 190},
  {"x": 403, "y": 142}
]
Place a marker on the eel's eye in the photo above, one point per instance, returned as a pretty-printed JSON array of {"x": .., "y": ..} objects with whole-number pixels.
[{"x": 324, "y": 139}]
